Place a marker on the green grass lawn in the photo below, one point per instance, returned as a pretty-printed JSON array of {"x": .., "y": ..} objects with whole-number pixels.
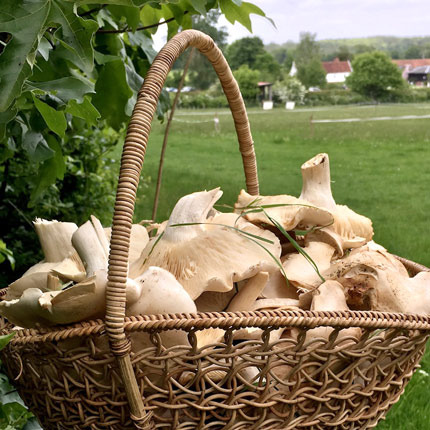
[{"x": 380, "y": 169}]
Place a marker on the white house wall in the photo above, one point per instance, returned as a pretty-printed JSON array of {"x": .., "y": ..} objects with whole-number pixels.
[{"x": 336, "y": 77}]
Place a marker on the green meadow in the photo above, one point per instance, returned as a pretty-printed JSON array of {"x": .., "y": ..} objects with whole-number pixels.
[{"x": 378, "y": 168}]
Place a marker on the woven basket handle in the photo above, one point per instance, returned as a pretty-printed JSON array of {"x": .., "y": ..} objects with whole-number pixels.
[{"x": 131, "y": 164}]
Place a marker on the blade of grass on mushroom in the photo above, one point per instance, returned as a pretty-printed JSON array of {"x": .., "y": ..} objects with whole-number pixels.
[
  {"x": 263, "y": 239},
  {"x": 252, "y": 237},
  {"x": 295, "y": 244},
  {"x": 258, "y": 209},
  {"x": 153, "y": 246},
  {"x": 316, "y": 228}
]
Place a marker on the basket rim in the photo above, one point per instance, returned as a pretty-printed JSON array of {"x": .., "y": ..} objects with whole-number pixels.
[{"x": 272, "y": 319}]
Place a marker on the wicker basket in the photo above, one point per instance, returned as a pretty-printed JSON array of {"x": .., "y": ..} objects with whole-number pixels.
[{"x": 85, "y": 376}]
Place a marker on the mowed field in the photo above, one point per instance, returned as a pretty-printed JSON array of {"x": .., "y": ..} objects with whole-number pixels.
[{"x": 380, "y": 169}]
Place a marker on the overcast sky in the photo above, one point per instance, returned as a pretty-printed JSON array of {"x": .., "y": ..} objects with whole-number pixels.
[
  {"x": 334, "y": 19},
  {"x": 330, "y": 19}
]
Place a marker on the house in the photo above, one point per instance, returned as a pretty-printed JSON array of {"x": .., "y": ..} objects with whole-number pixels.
[
  {"x": 413, "y": 67},
  {"x": 337, "y": 71},
  {"x": 420, "y": 76}
]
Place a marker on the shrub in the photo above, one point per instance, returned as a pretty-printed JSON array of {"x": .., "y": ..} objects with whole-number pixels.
[
  {"x": 290, "y": 89},
  {"x": 248, "y": 82}
]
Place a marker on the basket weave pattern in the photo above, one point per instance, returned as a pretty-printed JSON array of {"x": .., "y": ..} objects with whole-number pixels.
[
  {"x": 70, "y": 378},
  {"x": 92, "y": 376}
]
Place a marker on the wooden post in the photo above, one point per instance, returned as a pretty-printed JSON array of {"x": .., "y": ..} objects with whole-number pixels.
[{"x": 166, "y": 135}]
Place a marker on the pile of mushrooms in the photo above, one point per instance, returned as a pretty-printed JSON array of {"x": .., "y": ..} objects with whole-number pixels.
[{"x": 271, "y": 252}]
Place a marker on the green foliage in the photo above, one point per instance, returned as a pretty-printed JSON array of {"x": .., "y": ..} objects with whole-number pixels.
[
  {"x": 250, "y": 52},
  {"x": 335, "y": 97},
  {"x": 202, "y": 100},
  {"x": 270, "y": 69},
  {"x": 201, "y": 74},
  {"x": 238, "y": 10},
  {"x": 248, "y": 82},
  {"x": 245, "y": 52},
  {"x": 344, "y": 53},
  {"x": 69, "y": 74},
  {"x": 374, "y": 75},
  {"x": 69, "y": 77},
  {"x": 307, "y": 57},
  {"x": 6, "y": 254},
  {"x": 290, "y": 89},
  {"x": 312, "y": 73}
]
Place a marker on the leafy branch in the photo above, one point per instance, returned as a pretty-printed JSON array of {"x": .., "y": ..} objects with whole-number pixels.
[{"x": 144, "y": 27}]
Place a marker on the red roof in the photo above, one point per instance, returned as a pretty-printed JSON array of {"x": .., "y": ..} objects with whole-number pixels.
[
  {"x": 264, "y": 84},
  {"x": 412, "y": 63},
  {"x": 337, "y": 66}
]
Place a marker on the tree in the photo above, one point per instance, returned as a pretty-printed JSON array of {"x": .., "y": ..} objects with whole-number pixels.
[
  {"x": 374, "y": 74},
  {"x": 248, "y": 82},
  {"x": 312, "y": 74},
  {"x": 202, "y": 75},
  {"x": 269, "y": 68},
  {"x": 343, "y": 53},
  {"x": 307, "y": 49},
  {"x": 307, "y": 57},
  {"x": 414, "y": 51},
  {"x": 245, "y": 52},
  {"x": 69, "y": 77},
  {"x": 361, "y": 48}
]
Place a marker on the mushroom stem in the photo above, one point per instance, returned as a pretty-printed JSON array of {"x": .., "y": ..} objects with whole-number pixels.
[
  {"x": 316, "y": 187},
  {"x": 56, "y": 239},
  {"x": 90, "y": 248}
]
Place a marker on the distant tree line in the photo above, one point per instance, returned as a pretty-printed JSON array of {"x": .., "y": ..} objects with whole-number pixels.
[{"x": 252, "y": 61}]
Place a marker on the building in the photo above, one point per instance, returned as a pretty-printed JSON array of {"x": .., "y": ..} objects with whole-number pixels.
[
  {"x": 337, "y": 71},
  {"x": 408, "y": 65},
  {"x": 415, "y": 71},
  {"x": 420, "y": 76}
]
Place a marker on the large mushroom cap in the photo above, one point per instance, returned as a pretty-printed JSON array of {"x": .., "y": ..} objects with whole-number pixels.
[
  {"x": 205, "y": 256},
  {"x": 289, "y": 211},
  {"x": 299, "y": 270},
  {"x": 160, "y": 293}
]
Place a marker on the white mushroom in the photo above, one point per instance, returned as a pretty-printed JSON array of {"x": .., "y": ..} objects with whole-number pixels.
[
  {"x": 301, "y": 273},
  {"x": 383, "y": 288},
  {"x": 203, "y": 256},
  {"x": 330, "y": 297},
  {"x": 80, "y": 302},
  {"x": 289, "y": 211},
  {"x": 92, "y": 246},
  {"x": 243, "y": 301},
  {"x": 61, "y": 258},
  {"x": 160, "y": 293},
  {"x": 352, "y": 227}
]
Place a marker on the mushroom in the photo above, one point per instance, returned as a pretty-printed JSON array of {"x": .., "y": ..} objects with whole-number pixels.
[
  {"x": 92, "y": 246},
  {"x": 203, "y": 255},
  {"x": 354, "y": 228},
  {"x": 61, "y": 259},
  {"x": 80, "y": 302},
  {"x": 242, "y": 301},
  {"x": 330, "y": 297},
  {"x": 289, "y": 211},
  {"x": 379, "y": 287},
  {"x": 299, "y": 270},
  {"x": 278, "y": 287},
  {"x": 159, "y": 293}
]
